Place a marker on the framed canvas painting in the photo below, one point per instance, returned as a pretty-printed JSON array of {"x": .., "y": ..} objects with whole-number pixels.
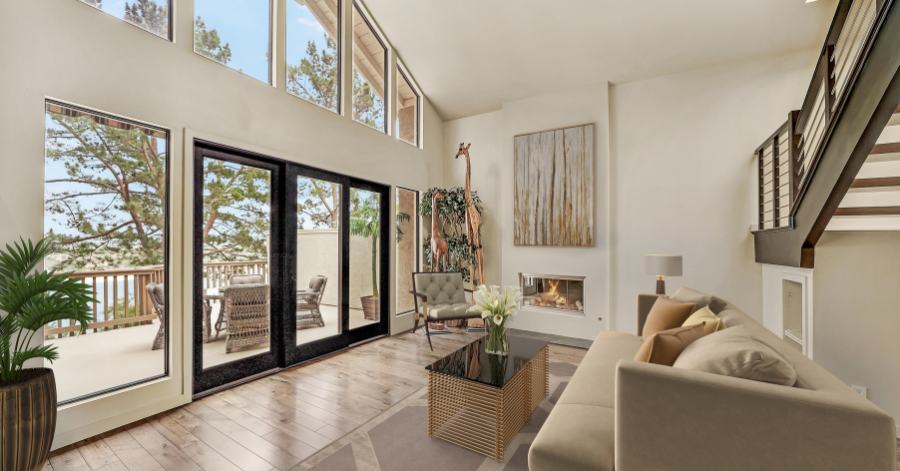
[{"x": 554, "y": 187}]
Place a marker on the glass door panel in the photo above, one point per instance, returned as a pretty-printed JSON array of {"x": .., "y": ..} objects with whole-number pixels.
[
  {"x": 237, "y": 211},
  {"x": 318, "y": 280},
  {"x": 407, "y": 241},
  {"x": 236, "y": 266},
  {"x": 365, "y": 259}
]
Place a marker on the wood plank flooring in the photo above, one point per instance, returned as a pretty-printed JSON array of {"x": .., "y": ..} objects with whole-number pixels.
[{"x": 276, "y": 422}]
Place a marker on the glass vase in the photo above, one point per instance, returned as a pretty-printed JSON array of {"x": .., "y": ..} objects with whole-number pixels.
[{"x": 498, "y": 341}]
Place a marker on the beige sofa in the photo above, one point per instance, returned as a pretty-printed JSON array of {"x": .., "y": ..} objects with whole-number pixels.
[{"x": 630, "y": 416}]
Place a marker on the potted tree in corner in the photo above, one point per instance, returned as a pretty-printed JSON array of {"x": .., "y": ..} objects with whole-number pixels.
[
  {"x": 29, "y": 300},
  {"x": 364, "y": 223}
]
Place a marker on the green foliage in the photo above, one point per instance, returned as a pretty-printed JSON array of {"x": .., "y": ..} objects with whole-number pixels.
[
  {"x": 31, "y": 300},
  {"x": 208, "y": 44},
  {"x": 236, "y": 211},
  {"x": 315, "y": 78},
  {"x": 452, "y": 216},
  {"x": 364, "y": 222},
  {"x": 368, "y": 109},
  {"x": 319, "y": 202},
  {"x": 148, "y": 15},
  {"x": 127, "y": 171}
]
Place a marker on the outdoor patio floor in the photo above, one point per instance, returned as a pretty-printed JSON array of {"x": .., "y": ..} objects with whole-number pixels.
[{"x": 103, "y": 360}]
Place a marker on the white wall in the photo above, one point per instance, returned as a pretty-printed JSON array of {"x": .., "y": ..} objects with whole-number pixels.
[
  {"x": 684, "y": 174},
  {"x": 67, "y": 50},
  {"x": 857, "y": 321},
  {"x": 674, "y": 172},
  {"x": 491, "y": 136}
]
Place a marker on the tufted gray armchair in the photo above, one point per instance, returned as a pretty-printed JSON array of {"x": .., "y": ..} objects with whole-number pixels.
[{"x": 440, "y": 296}]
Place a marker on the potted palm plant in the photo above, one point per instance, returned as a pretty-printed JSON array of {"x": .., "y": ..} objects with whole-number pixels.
[
  {"x": 364, "y": 223},
  {"x": 29, "y": 300}
]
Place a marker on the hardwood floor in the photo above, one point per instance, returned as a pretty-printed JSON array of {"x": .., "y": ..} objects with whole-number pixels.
[{"x": 276, "y": 422}]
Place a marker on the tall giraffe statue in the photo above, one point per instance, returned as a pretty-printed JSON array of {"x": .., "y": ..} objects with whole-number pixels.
[
  {"x": 473, "y": 222},
  {"x": 439, "y": 247}
]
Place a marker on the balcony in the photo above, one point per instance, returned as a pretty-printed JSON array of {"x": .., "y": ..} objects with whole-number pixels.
[{"x": 117, "y": 350}]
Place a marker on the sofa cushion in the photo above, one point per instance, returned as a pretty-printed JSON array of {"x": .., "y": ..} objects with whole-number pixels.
[
  {"x": 734, "y": 352},
  {"x": 594, "y": 382},
  {"x": 688, "y": 295},
  {"x": 666, "y": 314},
  {"x": 712, "y": 323},
  {"x": 663, "y": 348},
  {"x": 575, "y": 437}
]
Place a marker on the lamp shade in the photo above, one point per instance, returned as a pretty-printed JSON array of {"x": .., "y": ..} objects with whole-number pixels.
[{"x": 665, "y": 265}]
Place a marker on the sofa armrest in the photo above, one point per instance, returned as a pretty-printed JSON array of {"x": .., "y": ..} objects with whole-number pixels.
[
  {"x": 676, "y": 419},
  {"x": 644, "y": 304}
]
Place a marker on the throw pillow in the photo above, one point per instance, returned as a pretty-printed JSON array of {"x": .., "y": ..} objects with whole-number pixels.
[
  {"x": 713, "y": 323},
  {"x": 733, "y": 352},
  {"x": 688, "y": 295},
  {"x": 663, "y": 348},
  {"x": 666, "y": 314}
]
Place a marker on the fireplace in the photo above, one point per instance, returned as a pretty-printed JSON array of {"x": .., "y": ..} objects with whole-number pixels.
[{"x": 553, "y": 293}]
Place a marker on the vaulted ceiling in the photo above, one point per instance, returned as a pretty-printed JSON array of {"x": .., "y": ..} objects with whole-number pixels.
[{"x": 471, "y": 56}]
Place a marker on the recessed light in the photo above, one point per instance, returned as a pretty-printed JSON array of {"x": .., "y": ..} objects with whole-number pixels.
[{"x": 810, "y": 1}]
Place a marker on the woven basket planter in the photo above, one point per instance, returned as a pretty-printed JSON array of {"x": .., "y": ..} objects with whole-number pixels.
[{"x": 27, "y": 420}]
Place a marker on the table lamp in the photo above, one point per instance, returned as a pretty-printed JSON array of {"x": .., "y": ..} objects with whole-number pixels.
[{"x": 661, "y": 266}]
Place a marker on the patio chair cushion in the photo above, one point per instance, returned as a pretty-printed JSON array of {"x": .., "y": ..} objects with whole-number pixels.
[
  {"x": 316, "y": 284},
  {"x": 245, "y": 279},
  {"x": 449, "y": 311}
]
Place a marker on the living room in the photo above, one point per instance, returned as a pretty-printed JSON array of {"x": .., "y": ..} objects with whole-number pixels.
[{"x": 274, "y": 219}]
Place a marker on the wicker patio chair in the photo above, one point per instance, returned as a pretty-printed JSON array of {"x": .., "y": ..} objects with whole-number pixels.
[
  {"x": 157, "y": 294},
  {"x": 235, "y": 280},
  {"x": 308, "y": 313},
  {"x": 246, "y": 316}
]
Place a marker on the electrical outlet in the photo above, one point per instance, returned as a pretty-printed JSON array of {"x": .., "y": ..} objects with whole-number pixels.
[{"x": 861, "y": 390}]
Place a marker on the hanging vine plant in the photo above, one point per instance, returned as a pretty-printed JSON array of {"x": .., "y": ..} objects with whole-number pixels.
[{"x": 452, "y": 226}]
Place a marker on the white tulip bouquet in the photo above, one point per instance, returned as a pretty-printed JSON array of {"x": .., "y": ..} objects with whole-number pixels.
[{"x": 496, "y": 306}]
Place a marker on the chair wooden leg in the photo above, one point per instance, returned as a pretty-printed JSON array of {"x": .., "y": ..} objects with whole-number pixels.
[
  {"x": 428, "y": 334},
  {"x": 416, "y": 323}
]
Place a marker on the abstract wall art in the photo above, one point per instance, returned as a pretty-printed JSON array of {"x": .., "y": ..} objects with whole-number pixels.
[{"x": 554, "y": 187}]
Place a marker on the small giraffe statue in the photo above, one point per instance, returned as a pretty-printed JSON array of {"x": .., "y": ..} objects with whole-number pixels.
[
  {"x": 473, "y": 222},
  {"x": 439, "y": 247}
]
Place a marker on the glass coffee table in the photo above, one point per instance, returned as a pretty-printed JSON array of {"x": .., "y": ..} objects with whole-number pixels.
[{"x": 480, "y": 401}]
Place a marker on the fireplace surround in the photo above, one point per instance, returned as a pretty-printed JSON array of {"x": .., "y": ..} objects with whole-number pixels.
[{"x": 562, "y": 294}]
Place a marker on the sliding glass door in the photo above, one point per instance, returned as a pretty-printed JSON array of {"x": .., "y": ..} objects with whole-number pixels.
[
  {"x": 288, "y": 262},
  {"x": 237, "y": 272}
]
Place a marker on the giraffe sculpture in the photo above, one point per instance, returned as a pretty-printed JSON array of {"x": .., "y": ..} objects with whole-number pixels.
[
  {"x": 439, "y": 247},
  {"x": 473, "y": 223}
]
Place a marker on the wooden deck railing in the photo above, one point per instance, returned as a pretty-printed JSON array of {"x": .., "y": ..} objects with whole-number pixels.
[
  {"x": 123, "y": 298},
  {"x": 216, "y": 274}
]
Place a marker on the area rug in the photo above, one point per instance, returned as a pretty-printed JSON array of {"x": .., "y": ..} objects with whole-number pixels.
[{"x": 396, "y": 440}]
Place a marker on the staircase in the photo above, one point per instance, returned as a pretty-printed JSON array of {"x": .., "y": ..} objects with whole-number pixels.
[
  {"x": 835, "y": 164},
  {"x": 873, "y": 201}
]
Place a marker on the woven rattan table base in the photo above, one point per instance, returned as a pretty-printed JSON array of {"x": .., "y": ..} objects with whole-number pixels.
[{"x": 485, "y": 418}]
